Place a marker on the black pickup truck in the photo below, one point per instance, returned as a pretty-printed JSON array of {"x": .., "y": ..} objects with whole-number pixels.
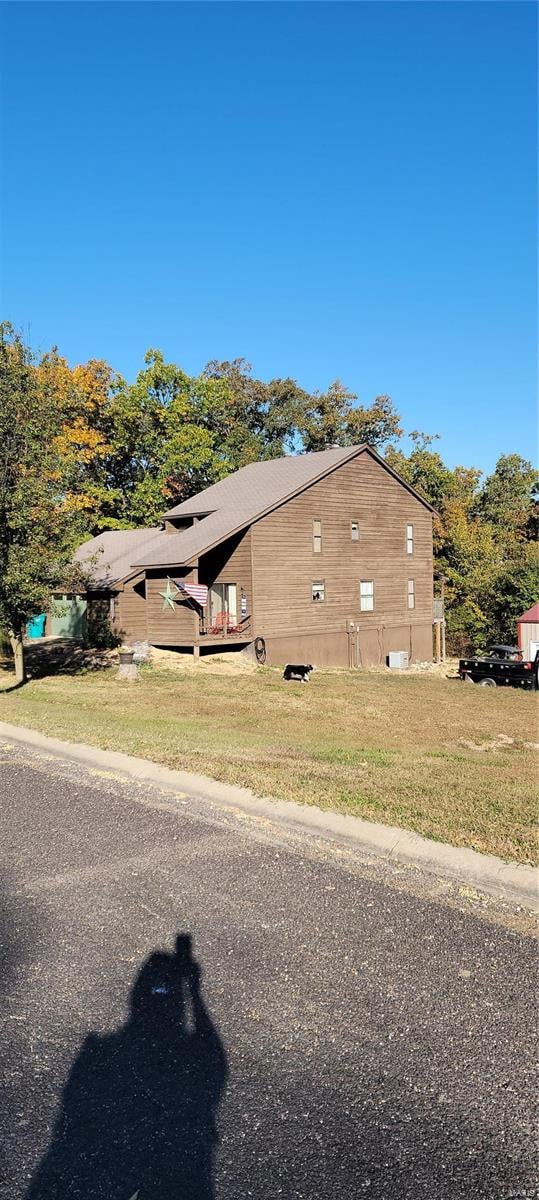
[{"x": 502, "y": 666}]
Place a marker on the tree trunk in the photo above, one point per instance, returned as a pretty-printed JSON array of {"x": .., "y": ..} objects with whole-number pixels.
[{"x": 18, "y": 655}]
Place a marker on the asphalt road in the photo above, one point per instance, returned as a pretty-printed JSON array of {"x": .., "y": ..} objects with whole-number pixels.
[{"x": 347, "y": 1032}]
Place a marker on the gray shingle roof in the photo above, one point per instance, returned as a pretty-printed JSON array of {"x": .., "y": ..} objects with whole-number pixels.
[
  {"x": 113, "y": 553},
  {"x": 239, "y": 500}
]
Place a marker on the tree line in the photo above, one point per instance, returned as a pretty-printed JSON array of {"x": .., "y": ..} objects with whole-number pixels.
[{"x": 85, "y": 450}]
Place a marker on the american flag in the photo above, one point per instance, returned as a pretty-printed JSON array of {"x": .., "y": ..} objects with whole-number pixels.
[{"x": 195, "y": 591}]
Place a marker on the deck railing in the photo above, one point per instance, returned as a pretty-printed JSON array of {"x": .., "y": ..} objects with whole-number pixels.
[{"x": 225, "y": 629}]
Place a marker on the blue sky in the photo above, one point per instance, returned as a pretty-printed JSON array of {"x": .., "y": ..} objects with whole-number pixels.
[{"x": 329, "y": 190}]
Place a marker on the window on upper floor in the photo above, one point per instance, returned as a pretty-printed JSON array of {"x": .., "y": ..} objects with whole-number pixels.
[
  {"x": 354, "y": 531},
  {"x": 317, "y": 537},
  {"x": 411, "y": 593},
  {"x": 409, "y": 539},
  {"x": 366, "y": 595},
  {"x": 318, "y": 592}
]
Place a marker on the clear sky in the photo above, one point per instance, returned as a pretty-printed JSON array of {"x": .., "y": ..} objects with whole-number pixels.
[{"x": 329, "y": 190}]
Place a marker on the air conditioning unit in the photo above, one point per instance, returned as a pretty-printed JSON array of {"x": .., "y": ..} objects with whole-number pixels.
[{"x": 398, "y": 660}]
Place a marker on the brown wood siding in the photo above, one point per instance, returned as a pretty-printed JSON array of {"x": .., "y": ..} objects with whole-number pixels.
[
  {"x": 285, "y": 564},
  {"x": 167, "y": 626},
  {"x": 130, "y": 614},
  {"x": 230, "y": 563}
]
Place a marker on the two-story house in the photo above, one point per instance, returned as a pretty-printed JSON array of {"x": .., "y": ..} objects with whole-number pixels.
[{"x": 322, "y": 558}]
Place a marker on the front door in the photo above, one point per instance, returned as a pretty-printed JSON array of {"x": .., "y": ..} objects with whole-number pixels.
[{"x": 224, "y": 604}]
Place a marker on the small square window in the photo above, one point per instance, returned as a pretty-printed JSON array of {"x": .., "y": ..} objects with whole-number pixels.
[
  {"x": 366, "y": 595},
  {"x": 409, "y": 539},
  {"x": 411, "y": 593},
  {"x": 317, "y": 537},
  {"x": 318, "y": 592},
  {"x": 354, "y": 530}
]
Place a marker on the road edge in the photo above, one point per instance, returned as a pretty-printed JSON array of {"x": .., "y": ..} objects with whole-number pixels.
[{"x": 515, "y": 882}]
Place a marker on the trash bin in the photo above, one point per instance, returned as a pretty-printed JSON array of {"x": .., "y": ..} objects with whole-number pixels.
[{"x": 36, "y": 626}]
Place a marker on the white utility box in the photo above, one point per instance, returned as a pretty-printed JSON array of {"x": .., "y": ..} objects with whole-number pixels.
[{"x": 398, "y": 660}]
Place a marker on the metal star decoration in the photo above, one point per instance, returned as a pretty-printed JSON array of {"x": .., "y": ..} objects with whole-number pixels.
[{"x": 168, "y": 596}]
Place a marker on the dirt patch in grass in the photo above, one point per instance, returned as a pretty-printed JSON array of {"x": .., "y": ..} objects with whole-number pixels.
[{"x": 455, "y": 763}]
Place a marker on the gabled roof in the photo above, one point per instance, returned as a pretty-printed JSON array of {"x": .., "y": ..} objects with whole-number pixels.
[
  {"x": 110, "y": 555},
  {"x": 531, "y": 616},
  {"x": 268, "y": 482},
  {"x": 227, "y": 507}
]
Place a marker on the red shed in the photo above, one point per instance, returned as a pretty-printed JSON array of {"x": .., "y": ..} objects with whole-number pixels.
[{"x": 528, "y": 632}]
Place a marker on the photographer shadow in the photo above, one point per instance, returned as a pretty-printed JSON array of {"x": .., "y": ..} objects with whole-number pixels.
[{"x": 138, "y": 1113}]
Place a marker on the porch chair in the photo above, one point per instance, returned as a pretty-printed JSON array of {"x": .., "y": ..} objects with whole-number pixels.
[{"x": 223, "y": 624}]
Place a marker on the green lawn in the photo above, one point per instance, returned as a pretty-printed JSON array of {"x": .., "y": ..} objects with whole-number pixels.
[{"x": 423, "y": 752}]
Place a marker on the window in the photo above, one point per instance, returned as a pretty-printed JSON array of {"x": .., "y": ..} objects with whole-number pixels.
[
  {"x": 354, "y": 530},
  {"x": 411, "y": 593},
  {"x": 318, "y": 591},
  {"x": 317, "y": 537},
  {"x": 409, "y": 539},
  {"x": 366, "y": 595}
]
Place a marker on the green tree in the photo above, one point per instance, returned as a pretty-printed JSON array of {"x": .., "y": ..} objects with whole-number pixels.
[
  {"x": 38, "y": 533},
  {"x": 332, "y": 418},
  {"x": 467, "y": 554},
  {"x": 169, "y": 435},
  {"x": 483, "y": 539},
  {"x": 508, "y": 497},
  {"x": 424, "y": 469},
  {"x": 166, "y": 434},
  {"x": 266, "y": 416},
  {"x": 514, "y": 589},
  {"x": 281, "y": 417}
]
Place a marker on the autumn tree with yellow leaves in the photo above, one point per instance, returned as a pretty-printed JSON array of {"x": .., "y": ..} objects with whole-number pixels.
[{"x": 38, "y": 531}]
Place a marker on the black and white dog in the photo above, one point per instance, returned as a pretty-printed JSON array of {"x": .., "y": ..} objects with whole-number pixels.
[{"x": 299, "y": 672}]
